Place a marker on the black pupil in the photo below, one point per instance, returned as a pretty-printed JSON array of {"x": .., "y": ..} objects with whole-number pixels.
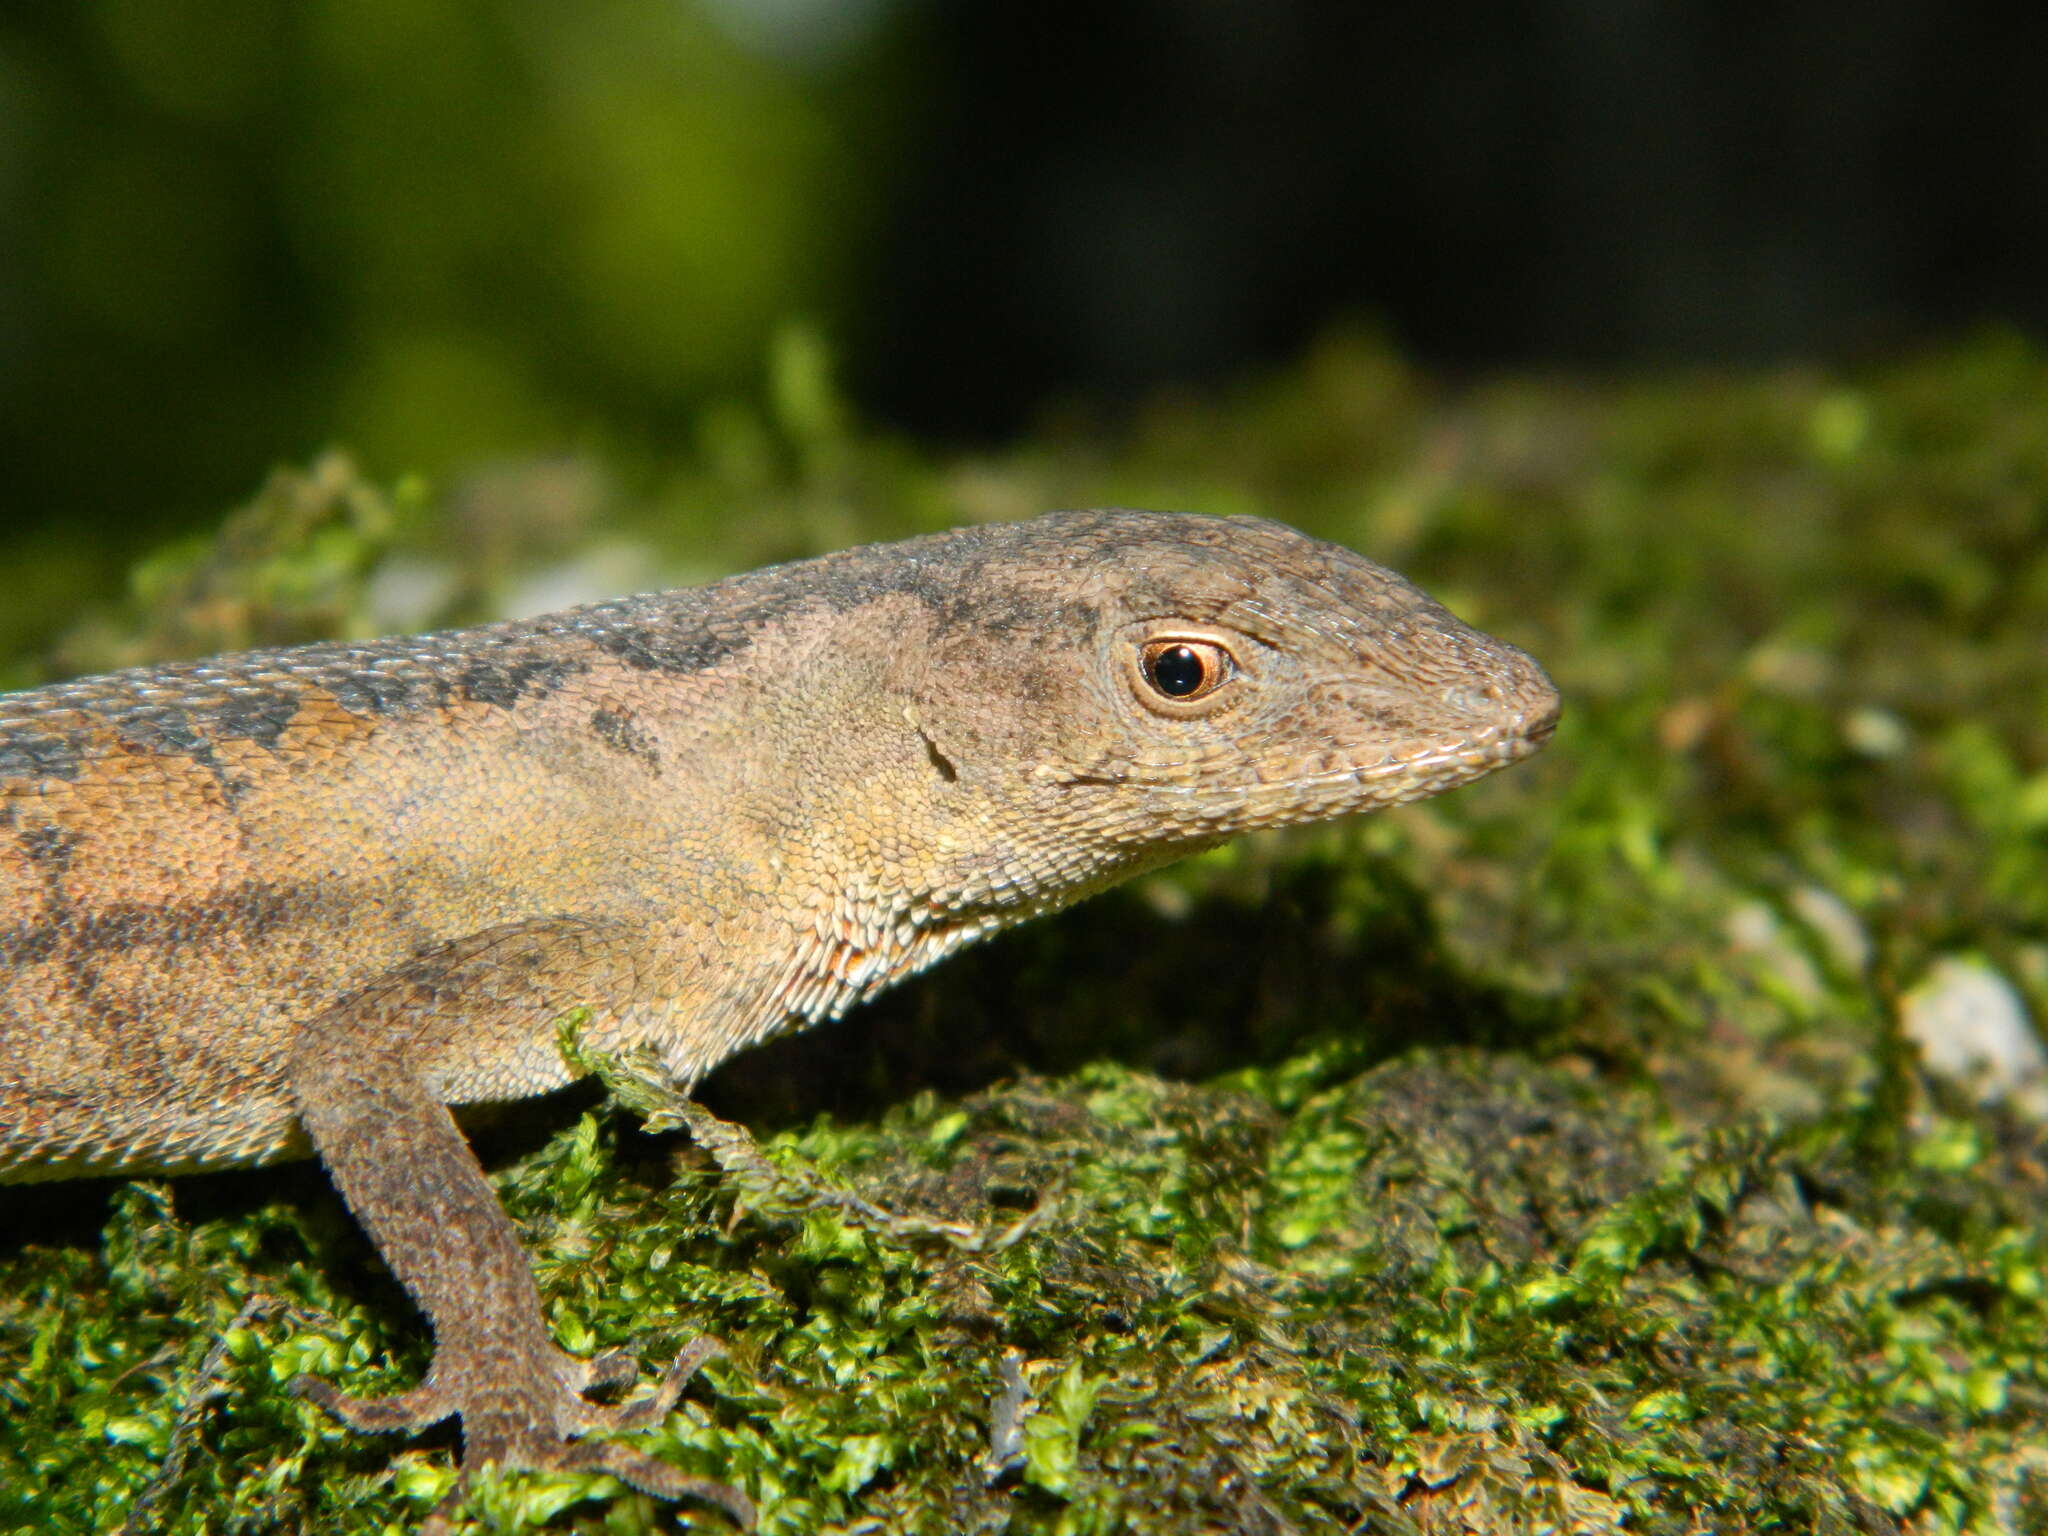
[{"x": 1177, "y": 671}]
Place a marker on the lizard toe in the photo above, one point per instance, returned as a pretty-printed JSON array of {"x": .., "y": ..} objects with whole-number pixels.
[
  {"x": 400, "y": 1411},
  {"x": 658, "y": 1479},
  {"x": 645, "y": 1412},
  {"x": 635, "y": 1469},
  {"x": 606, "y": 1372}
]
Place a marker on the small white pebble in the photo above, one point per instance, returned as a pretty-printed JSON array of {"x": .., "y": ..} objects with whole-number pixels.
[
  {"x": 1838, "y": 927},
  {"x": 1795, "y": 671},
  {"x": 1753, "y": 929},
  {"x": 1875, "y": 732},
  {"x": 612, "y": 569},
  {"x": 1750, "y": 927},
  {"x": 407, "y": 593},
  {"x": 1971, "y": 1025}
]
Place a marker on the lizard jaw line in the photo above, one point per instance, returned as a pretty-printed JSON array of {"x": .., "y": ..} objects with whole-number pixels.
[{"x": 1479, "y": 757}]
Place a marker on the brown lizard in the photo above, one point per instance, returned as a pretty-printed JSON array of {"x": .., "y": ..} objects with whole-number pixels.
[{"x": 305, "y": 900}]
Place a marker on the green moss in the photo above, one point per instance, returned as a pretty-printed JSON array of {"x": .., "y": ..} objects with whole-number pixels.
[{"x": 1547, "y": 1157}]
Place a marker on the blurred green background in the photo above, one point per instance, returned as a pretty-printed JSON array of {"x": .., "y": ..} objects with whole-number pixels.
[{"x": 236, "y": 230}]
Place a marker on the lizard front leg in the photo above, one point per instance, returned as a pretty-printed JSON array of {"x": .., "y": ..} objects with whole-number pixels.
[{"x": 368, "y": 1077}]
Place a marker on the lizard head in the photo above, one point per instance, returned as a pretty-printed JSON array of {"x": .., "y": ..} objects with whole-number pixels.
[{"x": 1134, "y": 684}]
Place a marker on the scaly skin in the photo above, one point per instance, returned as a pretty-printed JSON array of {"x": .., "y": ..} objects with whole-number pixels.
[{"x": 304, "y": 900}]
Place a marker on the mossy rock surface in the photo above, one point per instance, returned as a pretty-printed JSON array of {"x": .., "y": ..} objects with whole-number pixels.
[{"x": 1555, "y": 1156}]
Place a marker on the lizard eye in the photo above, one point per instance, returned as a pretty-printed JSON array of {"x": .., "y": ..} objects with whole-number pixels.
[{"x": 1185, "y": 670}]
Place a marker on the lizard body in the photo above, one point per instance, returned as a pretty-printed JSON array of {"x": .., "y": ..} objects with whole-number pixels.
[{"x": 304, "y": 900}]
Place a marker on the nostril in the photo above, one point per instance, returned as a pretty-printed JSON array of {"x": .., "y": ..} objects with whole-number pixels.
[
  {"x": 1526, "y": 696},
  {"x": 1477, "y": 698},
  {"x": 1541, "y": 708}
]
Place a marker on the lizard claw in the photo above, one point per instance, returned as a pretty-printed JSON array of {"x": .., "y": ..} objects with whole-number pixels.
[
  {"x": 487, "y": 1437},
  {"x": 648, "y": 1411},
  {"x": 659, "y": 1479},
  {"x": 655, "y": 1478}
]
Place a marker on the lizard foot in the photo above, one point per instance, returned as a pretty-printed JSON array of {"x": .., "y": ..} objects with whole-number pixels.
[
  {"x": 492, "y": 1435},
  {"x": 634, "y": 1468}
]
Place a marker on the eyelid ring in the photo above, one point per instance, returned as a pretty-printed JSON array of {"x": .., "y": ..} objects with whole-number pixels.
[{"x": 1219, "y": 651}]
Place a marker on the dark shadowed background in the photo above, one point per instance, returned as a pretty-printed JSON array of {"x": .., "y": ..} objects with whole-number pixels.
[{"x": 442, "y": 231}]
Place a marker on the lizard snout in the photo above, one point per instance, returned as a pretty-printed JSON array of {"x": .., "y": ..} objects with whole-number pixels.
[{"x": 1514, "y": 700}]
